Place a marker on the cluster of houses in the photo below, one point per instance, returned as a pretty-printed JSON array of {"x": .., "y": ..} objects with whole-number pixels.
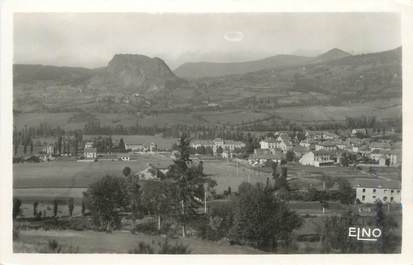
[
  {"x": 90, "y": 151},
  {"x": 68, "y": 146},
  {"x": 323, "y": 148}
]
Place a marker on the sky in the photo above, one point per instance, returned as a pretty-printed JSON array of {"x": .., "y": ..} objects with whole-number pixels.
[{"x": 91, "y": 39}]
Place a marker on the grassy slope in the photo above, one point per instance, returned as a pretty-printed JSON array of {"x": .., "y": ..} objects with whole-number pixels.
[
  {"x": 116, "y": 242},
  {"x": 297, "y": 114}
]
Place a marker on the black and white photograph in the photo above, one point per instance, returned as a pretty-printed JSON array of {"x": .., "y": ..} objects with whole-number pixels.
[{"x": 207, "y": 133}]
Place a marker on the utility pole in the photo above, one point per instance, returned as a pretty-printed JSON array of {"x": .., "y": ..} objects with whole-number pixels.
[
  {"x": 205, "y": 201},
  {"x": 183, "y": 218}
]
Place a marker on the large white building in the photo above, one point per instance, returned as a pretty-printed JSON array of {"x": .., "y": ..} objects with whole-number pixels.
[
  {"x": 317, "y": 158},
  {"x": 226, "y": 145},
  {"x": 268, "y": 143},
  {"x": 373, "y": 190},
  {"x": 90, "y": 153},
  {"x": 320, "y": 135}
]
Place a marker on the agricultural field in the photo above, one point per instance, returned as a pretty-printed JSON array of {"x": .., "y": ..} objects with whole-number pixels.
[
  {"x": 63, "y": 174},
  {"x": 71, "y": 174},
  {"x": 68, "y": 177},
  {"x": 71, "y": 120},
  {"x": 232, "y": 116},
  {"x": 336, "y": 113},
  {"x": 297, "y": 114},
  {"x": 229, "y": 174},
  {"x": 33, "y": 119}
]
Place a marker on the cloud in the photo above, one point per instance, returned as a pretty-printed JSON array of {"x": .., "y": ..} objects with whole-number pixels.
[{"x": 234, "y": 36}]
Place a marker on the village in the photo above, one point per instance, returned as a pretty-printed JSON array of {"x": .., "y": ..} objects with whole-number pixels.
[{"x": 370, "y": 152}]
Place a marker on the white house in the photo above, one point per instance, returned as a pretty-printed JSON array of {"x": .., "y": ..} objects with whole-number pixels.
[
  {"x": 198, "y": 143},
  {"x": 48, "y": 149},
  {"x": 228, "y": 145},
  {"x": 135, "y": 147},
  {"x": 373, "y": 190},
  {"x": 317, "y": 158},
  {"x": 90, "y": 153},
  {"x": 268, "y": 143},
  {"x": 153, "y": 147},
  {"x": 359, "y": 131},
  {"x": 89, "y": 144},
  {"x": 284, "y": 142}
]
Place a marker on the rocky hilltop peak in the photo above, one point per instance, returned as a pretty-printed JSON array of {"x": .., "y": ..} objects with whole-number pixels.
[
  {"x": 332, "y": 54},
  {"x": 134, "y": 71},
  {"x": 139, "y": 64}
]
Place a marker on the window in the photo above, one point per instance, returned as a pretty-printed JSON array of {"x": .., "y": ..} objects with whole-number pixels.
[
  {"x": 374, "y": 190},
  {"x": 363, "y": 198},
  {"x": 385, "y": 198},
  {"x": 391, "y": 199},
  {"x": 392, "y": 191},
  {"x": 398, "y": 191},
  {"x": 364, "y": 190},
  {"x": 374, "y": 197}
]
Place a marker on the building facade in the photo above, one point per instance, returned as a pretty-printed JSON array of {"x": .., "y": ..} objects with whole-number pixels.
[{"x": 371, "y": 191}]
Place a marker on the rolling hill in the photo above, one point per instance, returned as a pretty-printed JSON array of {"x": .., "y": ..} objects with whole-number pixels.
[{"x": 210, "y": 69}]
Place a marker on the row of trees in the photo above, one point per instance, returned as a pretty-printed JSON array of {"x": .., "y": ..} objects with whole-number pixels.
[{"x": 17, "y": 203}]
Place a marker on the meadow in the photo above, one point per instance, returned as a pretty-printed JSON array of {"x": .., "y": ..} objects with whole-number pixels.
[
  {"x": 72, "y": 174},
  {"x": 314, "y": 113},
  {"x": 116, "y": 242},
  {"x": 63, "y": 174},
  {"x": 336, "y": 113}
]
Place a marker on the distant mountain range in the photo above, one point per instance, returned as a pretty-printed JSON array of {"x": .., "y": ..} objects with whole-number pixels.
[
  {"x": 211, "y": 69},
  {"x": 133, "y": 82},
  {"x": 330, "y": 76}
]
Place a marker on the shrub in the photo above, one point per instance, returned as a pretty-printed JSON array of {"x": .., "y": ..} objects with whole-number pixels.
[
  {"x": 177, "y": 248},
  {"x": 142, "y": 248},
  {"x": 217, "y": 223},
  {"x": 147, "y": 228},
  {"x": 77, "y": 223},
  {"x": 55, "y": 247},
  {"x": 164, "y": 248}
]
